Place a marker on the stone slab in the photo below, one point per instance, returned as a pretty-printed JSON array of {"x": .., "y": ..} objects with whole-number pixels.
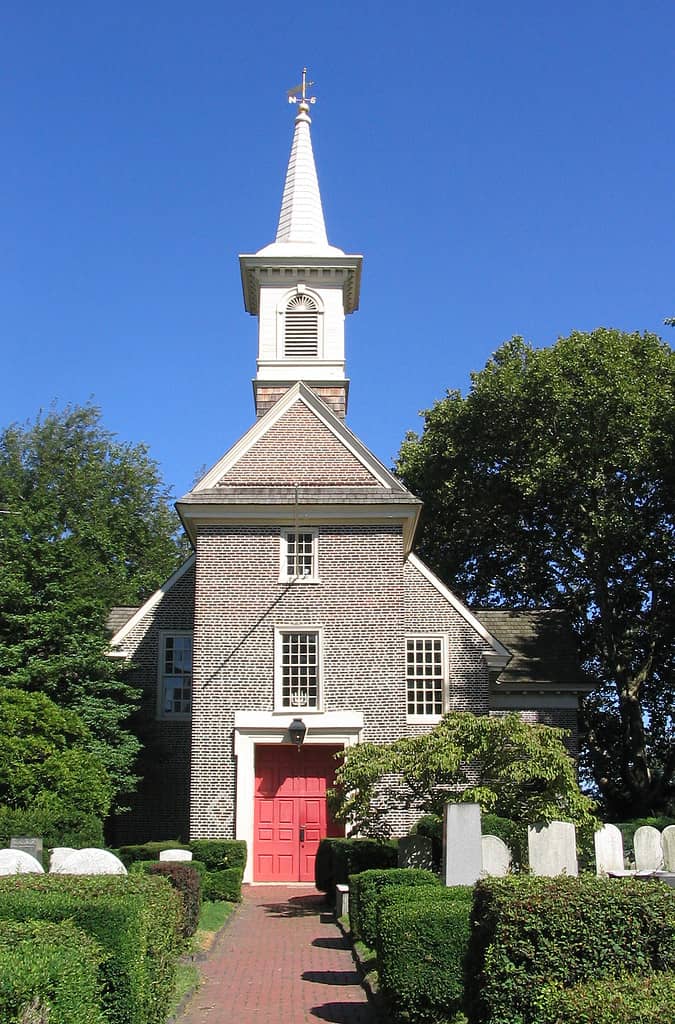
[
  {"x": 29, "y": 844},
  {"x": 609, "y": 859},
  {"x": 17, "y": 862},
  {"x": 175, "y": 855},
  {"x": 462, "y": 855},
  {"x": 648, "y": 849},
  {"x": 415, "y": 852},
  {"x": 58, "y": 854},
  {"x": 552, "y": 849},
  {"x": 90, "y": 861},
  {"x": 668, "y": 846},
  {"x": 496, "y": 857},
  {"x": 341, "y": 900}
]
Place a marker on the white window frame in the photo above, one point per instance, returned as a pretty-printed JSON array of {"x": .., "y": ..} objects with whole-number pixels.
[
  {"x": 171, "y": 716},
  {"x": 279, "y": 633},
  {"x": 435, "y": 717},
  {"x": 284, "y": 575}
]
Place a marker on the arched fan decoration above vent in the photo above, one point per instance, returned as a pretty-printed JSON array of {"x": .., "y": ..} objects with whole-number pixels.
[{"x": 301, "y": 331}]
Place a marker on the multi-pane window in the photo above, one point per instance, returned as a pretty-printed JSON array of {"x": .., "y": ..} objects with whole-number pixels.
[
  {"x": 299, "y": 670},
  {"x": 301, "y": 329},
  {"x": 299, "y": 555},
  {"x": 425, "y": 672},
  {"x": 176, "y": 674}
]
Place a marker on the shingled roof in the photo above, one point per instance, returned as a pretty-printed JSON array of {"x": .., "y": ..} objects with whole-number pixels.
[
  {"x": 118, "y": 617},
  {"x": 543, "y": 646}
]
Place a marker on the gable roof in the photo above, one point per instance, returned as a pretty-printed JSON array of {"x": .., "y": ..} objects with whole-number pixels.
[
  {"x": 299, "y": 442},
  {"x": 124, "y": 623},
  {"x": 544, "y": 648}
]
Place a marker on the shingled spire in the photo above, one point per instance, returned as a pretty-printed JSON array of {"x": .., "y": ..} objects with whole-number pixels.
[{"x": 301, "y": 218}]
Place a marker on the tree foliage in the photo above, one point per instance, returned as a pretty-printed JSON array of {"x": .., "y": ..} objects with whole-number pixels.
[
  {"x": 551, "y": 484},
  {"x": 87, "y": 525},
  {"x": 520, "y": 771}
]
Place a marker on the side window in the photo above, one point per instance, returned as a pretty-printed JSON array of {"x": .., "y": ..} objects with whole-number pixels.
[
  {"x": 299, "y": 556},
  {"x": 301, "y": 327},
  {"x": 298, "y": 670},
  {"x": 175, "y": 675},
  {"x": 426, "y": 676}
]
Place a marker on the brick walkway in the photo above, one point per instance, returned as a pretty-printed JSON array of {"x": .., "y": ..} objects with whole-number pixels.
[{"x": 281, "y": 960}]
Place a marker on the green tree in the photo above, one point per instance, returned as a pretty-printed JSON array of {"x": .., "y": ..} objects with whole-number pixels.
[
  {"x": 88, "y": 526},
  {"x": 551, "y": 484},
  {"x": 519, "y": 771}
]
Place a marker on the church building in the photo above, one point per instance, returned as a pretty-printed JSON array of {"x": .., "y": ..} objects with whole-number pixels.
[{"x": 304, "y": 622}]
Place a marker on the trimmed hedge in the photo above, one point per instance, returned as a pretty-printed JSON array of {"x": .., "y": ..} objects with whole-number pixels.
[
  {"x": 148, "y": 851},
  {"x": 645, "y": 999},
  {"x": 51, "y": 972},
  {"x": 529, "y": 933},
  {"x": 187, "y": 882},
  {"x": 135, "y": 919},
  {"x": 223, "y": 885},
  {"x": 337, "y": 859},
  {"x": 220, "y": 853},
  {"x": 364, "y": 891},
  {"x": 143, "y": 866},
  {"x": 421, "y": 947}
]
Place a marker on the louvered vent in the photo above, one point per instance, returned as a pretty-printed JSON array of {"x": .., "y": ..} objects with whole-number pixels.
[{"x": 301, "y": 337}]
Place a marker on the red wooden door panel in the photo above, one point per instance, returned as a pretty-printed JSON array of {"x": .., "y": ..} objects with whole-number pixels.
[{"x": 291, "y": 816}]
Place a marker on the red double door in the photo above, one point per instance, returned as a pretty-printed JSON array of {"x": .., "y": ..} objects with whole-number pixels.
[{"x": 291, "y": 814}]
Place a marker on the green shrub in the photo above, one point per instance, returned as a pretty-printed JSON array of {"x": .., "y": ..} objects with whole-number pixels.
[
  {"x": 136, "y": 920},
  {"x": 220, "y": 853},
  {"x": 531, "y": 932},
  {"x": 223, "y": 885},
  {"x": 364, "y": 890},
  {"x": 421, "y": 946},
  {"x": 143, "y": 866},
  {"x": 635, "y": 999},
  {"x": 52, "y": 969},
  {"x": 337, "y": 859},
  {"x": 54, "y": 824},
  {"x": 186, "y": 881},
  {"x": 148, "y": 851}
]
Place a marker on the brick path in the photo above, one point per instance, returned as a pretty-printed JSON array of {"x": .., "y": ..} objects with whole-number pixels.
[{"x": 281, "y": 960}]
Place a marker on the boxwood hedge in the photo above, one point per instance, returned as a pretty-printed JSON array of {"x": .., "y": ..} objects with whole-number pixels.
[
  {"x": 528, "y": 933},
  {"x": 421, "y": 946},
  {"x": 218, "y": 854},
  {"x": 337, "y": 859},
  {"x": 51, "y": 971},
  {"x": 223, "y": 885},
  {"x": 364, "y": 890},
  {"x": 647, "y": 999},
  {"x": 135, "y": 919}
]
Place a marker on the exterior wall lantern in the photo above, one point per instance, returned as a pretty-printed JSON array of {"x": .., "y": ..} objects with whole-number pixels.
[{"x": 297, "y": 731}]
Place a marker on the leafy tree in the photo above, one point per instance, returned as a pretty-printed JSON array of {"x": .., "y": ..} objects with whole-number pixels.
[
  {"x": 511, "y": 768},
  {"x": 89, "y": 526},
  {"x": 551, "y": 484}
]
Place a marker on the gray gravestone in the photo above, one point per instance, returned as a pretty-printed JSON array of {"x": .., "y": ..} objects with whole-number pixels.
[
  {"x": 648, "y": 849},
  {"x": 17, "y": 862},
  {"x": 462, "y": 858},
  {"x": 90, "y": 862},
  {"x": 608, "y": 851},
  {"x": 496, "y": 857},
  {"x": 552, "y": 849},
  {"x": 415, "y": 852},
  {"x": 29, "y": 844},
  {"x": 668, "y": 844},
  {"x": 175, "y": 855}
]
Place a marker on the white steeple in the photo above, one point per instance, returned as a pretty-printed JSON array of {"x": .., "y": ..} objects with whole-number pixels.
[{"x": 300, "y": 287}]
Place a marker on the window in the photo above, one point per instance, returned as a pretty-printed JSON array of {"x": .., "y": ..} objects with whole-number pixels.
[
  {"x": 301, "y": 329},
  {"x": 299, "y": 552},
  {"x": 425, "y": 673},
  {"x": 175, "y": 675},
  {"x": 298, "y": 669}
]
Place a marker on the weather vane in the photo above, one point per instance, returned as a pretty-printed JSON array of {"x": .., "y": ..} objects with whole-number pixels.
[{"x": 299, "y": 94}]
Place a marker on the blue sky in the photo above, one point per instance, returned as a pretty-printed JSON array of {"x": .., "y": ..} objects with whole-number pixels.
[{"x": 504, "y": 169}]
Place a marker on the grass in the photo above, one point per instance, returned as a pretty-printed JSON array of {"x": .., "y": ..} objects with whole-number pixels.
[
  {"x": 212, "y": 917},
  {"x": 187, "y": 980}
]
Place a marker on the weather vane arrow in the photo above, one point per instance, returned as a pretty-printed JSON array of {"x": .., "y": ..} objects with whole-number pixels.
[{"x": 299, "y": 93}]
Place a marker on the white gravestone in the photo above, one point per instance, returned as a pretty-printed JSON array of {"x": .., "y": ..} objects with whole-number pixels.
[
  {"x": 175, "y": 855},
  {"x": 462, "y": 859},
  {"x": 648, "y": 849},
  {"x": 496, "y": 857},
  {"x": 552, "y": 849},
  {"x": 58, "y": 854},
  {"x": 609, "y": 851},
  {"x": 16, "y": 862},
  {"x": 668, "y": 845},
  {"x": 415, "y": 852},
  {"x": 90, "y": 862}
]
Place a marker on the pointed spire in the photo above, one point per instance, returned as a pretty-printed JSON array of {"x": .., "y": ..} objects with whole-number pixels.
[{"x": 301, "y": 216}]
